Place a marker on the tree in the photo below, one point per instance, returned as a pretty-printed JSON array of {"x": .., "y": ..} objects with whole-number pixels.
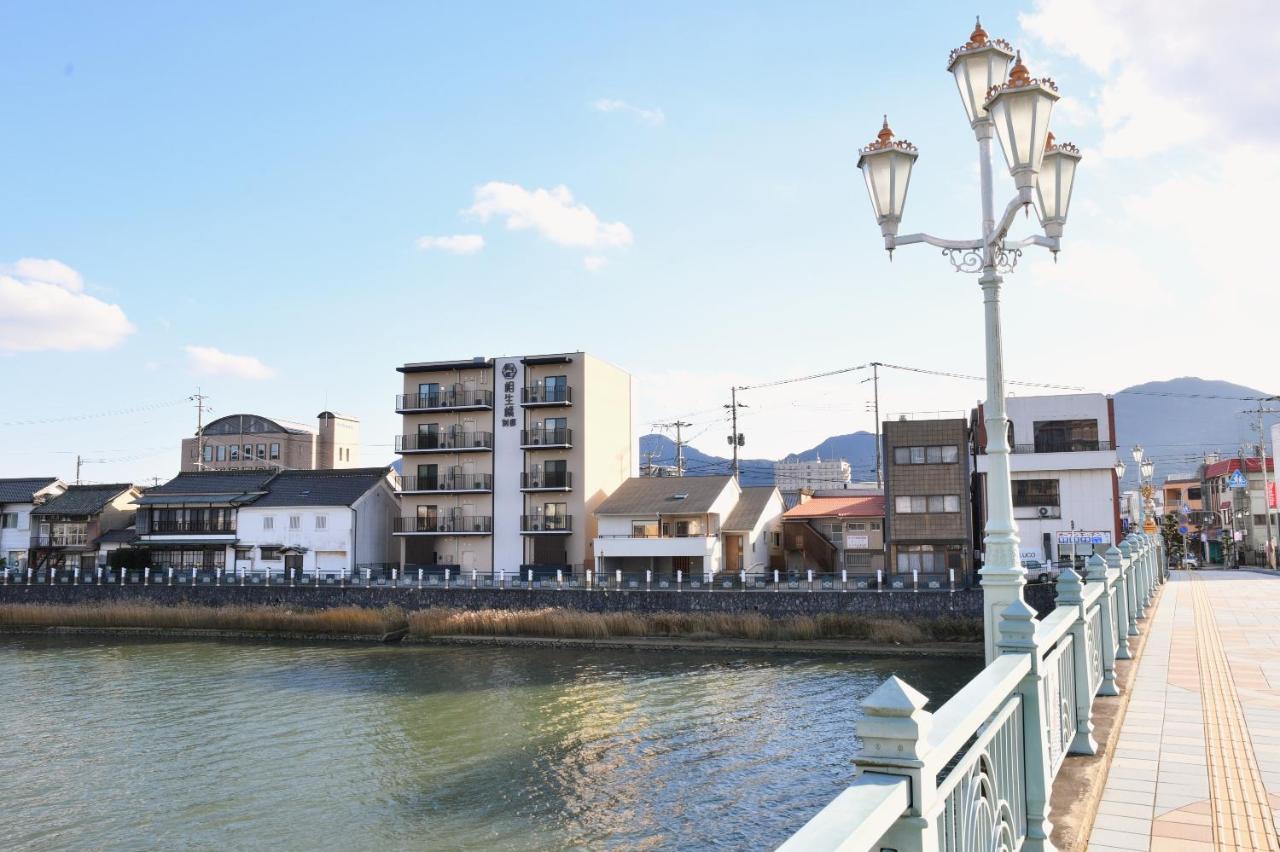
[
  {"x": 129, "y": 558},
  {"x": 1173, "y": 540}
]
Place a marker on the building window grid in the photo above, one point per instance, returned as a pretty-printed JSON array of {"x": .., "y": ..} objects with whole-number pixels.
[
  {"x": 928, "y": 504},
  {"x": 927, "y": 454}
]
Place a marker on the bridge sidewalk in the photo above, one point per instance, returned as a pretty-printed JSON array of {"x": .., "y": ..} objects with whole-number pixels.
[{"x": 1197, "y": 765}]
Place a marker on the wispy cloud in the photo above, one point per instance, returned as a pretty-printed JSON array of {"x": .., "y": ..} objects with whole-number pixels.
[
  {"x": 43, "y": 307},
  {"x": 652, "y": 117},
  {"x": 456, "y": 244},
  {"x": 209, "y": 361},
  {"x": 553, "y": 213}
]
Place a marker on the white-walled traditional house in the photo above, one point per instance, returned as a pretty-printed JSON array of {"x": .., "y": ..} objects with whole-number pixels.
[{"x": 18, "y": 497}]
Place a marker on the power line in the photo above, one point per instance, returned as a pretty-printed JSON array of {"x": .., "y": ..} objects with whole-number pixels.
[{"x": 117, "y": 412}]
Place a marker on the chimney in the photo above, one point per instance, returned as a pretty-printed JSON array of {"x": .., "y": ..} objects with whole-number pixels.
[{"x": 806, "y": 494}]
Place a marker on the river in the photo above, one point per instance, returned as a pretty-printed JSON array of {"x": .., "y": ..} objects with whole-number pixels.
[{"x": 109, "y": 744}]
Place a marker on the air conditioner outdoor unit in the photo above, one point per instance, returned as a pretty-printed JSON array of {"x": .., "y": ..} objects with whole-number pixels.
[{"x": 1044, "y": 511}]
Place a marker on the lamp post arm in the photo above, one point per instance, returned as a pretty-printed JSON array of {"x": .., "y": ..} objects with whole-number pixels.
[
  {"x": 1051, "y": 243},
  {"x": 1022, "y": 199},
  {"x": 908, "y": 239}
]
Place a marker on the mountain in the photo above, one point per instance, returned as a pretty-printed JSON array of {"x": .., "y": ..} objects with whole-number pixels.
[
  {"x": 698, "y": 463},
  {"x": 1180, "y": 420}
]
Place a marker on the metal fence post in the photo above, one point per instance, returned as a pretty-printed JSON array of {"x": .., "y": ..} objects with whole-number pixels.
[
  {"x": 679, "y": 578},
  {"x": 775, "y": 579},
  {"x": 915, "y": 579},
  {"x": 844, "y": 579},
  {"x": 1018, "y": 636},
  {"x": 879, "y": 579},
  {"x": 1100, "y": 572},
  {"x": 648, "y": 579},
  {"x": 1071, "y": 596},
  {"x": 809, "y": 577}
]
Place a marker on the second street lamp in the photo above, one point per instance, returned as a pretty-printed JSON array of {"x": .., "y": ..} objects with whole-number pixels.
[{"x": 1017, "y": 110}]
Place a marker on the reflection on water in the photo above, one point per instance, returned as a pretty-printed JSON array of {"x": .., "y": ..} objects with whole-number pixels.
[{"x": 129, "y": 745}]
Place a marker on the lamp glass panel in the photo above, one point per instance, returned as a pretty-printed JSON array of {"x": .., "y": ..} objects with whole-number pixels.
[
  {"x": 901, "y": 177},
  {"x": 871, "y": 187},
  {"x": 879, "y": 170},
  {"x": 1066, "y": 168},
  {"x": 1041, "y": 109}
]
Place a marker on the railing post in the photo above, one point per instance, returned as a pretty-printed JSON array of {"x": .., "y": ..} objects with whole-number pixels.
[
  {"x": 844, "y": 579},
  {"x": 1101, "y": 571},
  {"x": 1071, "y": 596},
  {"x": 1018, "y": 636},
  {"x": 648, "y": 579},
  {"x": 1140, "y": 550},
  {"x": 1130, "y": 625},
  {"x": 895, "y": 740},
  {"x": 809, "y": 577}
]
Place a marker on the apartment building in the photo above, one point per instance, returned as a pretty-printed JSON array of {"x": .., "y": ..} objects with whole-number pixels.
[
  {"x": 816, "y": 474},
  {"x": 1237, "y": 510},
  {"x": 254, "y": 442},
  {"x": 18, "y": 497},
  {"x": 927, "y": 496},
  {"x": 504, "y": 460},
  {"x": 833, "y": 534},
  {"x": 697, "y": 526},
  {"x": 1184, "y": 491},
  {"x": 1066, "y": 497},
  {"x": 67, "y": 531}
]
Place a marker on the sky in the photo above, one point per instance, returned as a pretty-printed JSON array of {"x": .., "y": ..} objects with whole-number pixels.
[{"x": 278, "y": 204}]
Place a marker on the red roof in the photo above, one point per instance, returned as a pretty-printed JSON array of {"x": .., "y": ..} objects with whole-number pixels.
[
  {"x": 839, "y": 507},
  {"x": 1226, "y": 466}
]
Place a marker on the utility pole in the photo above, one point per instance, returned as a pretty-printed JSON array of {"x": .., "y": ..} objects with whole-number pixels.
[
  {"x": 677, "y": 425},
  {"x": 77, "y": 468},
  {"x": 81, "y": 461},
  {"x": 875, "y": 385},
  {"x": 198, "y": 398},
  {"x": 736, "y": 438},
  {"x": 1266, "y": 481}
]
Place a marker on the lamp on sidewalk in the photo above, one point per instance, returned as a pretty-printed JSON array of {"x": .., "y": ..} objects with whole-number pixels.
[{"x": 1016, "y": 109}]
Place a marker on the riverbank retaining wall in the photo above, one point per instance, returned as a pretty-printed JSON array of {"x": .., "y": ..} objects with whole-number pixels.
[{"x": 962, "y": 603}]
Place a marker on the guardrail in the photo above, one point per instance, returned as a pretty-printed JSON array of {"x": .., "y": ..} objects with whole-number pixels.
[{"x": 978, "y": 773}]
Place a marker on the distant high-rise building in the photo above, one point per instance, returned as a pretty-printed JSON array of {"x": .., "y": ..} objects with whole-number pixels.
[{"x": 792, "y": 476}]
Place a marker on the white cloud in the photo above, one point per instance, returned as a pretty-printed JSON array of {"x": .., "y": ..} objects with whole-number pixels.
[
  {"x": 208, "y": 361},
  {"x": 553, "y": 213},
  {"x": 43, "y": 307},
  {"x": 652, "y": 117},
  {"x": 456, "y": 244},
  {"x": 594, "y": 263}
]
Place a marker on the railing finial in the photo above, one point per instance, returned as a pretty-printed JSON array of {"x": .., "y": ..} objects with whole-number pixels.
[{"x": 896, "y": 724}]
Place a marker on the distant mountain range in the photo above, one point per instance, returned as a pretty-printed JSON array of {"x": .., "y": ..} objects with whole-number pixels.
[{"x": 1175, "y": 421}]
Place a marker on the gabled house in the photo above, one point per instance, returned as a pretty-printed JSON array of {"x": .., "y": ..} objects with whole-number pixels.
[
  {"x": 834, "y": 534},
  {"x": 18, "y": 497},
  {"x": 319, "y": 522},
  {"x": 66, "y": 529},
  {"x": 189, "y": 523},
  {"x": 697, "y": 525}
]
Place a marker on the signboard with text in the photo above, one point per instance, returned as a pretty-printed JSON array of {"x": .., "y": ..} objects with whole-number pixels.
[
  {"x": 1090, "y": 537},
  {"x": 857, "y": 542}
]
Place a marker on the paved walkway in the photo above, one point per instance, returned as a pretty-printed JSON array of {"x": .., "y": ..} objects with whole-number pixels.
[{"x": 1197, "y": 766}]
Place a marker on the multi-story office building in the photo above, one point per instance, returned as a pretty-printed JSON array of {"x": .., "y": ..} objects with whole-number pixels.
[
  {"x": 253, "y": 442},
  {"x": 927, "y": 496},
  {"x": 504, "y": 460},
  {"x": 817, "y": 474},
  {"x": 1066, "y": 497}
]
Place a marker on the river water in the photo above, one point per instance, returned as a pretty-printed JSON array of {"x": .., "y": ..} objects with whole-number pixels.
[{"x": 110, "y": 744}]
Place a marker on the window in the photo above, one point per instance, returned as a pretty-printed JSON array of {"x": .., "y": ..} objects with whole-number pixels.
[
  {"x": 875, "y": 525},
  {"x": 9, "y": 520},
  {"x": 902, "y": 455},
  {"x": 270, "y": 554},
  {"x": 644, "y": 529},
  {"x": 1193, "y": 493},
  {"x": 950, "y": 454},
  {"x": 1035, "y": 492},
  {"x": 929, "y": 558},
  {"x": 268, "y": 522},
  {"x": 1259, "y": 520},
  {"x": 933, "y": 455},
  {"x": 262, "y": 451},
  {"x": 208, "y": 452},
  {"x": 248, "y": 452},
  {"x": 910, "y": 505},
  {"x": 234, "y": 452},
  {"x": 1065, "y": 436},
  {"x": 295, "y": 522},
  {"x": 222, "y": 452},
  {"x": 1172, "y": 495},
  {"x": 857, "y": 527},
  {"x": 429, "y": 393},
  {"x": 917, "y": 455},
  {"x": 244, "y": 554},
  {"x": 275, "y": 451},
  {"x": 322, "y": 521},
  {"x": 944, "y": 454}
]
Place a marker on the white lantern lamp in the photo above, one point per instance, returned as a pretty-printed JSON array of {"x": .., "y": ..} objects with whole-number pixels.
[
  {"x": 886, "y": 165},
  {"x": 1137, "y": 453},
  {"x": 1119, "y": 468},
  {"x": 1020, "y": 110},
  {"x": 1053, "y": 186},
  {"x": 979, "y": 64}
]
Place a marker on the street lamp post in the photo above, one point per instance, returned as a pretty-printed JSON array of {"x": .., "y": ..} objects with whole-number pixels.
[{"x": 1016, "y": 110}]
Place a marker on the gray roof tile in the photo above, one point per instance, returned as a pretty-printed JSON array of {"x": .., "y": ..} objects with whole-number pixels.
[
  {"x": 22, "y": 490},
  {"x": 320, "y": 487},
  {"x": 653, "y": 495},
  {"x": 750, "y": 506},
  {"x": 82, "y": 499}
]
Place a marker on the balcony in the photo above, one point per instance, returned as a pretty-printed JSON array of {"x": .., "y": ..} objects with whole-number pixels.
[
  {"x": 640, "y": 545},
  {"x": 541, "y": 396},
  {"x": 445, "y": 442},
  {"x": 443, "y": 525},
  {"x": 535, "y": 439},
  {"x": 1061, "y": 447},
  {"x": 445, "y": 400},
  {"x": 168, "y": 527},
  {"x": 546, "y": 481},
  {"x": 534, "y": 524},
  {"x": 68, "y": 539},
  {"x": 477, "y": 482}
]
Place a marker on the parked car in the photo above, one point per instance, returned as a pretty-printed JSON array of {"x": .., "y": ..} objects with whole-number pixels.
[
  {"x": 1189, "y": 561},
  {"x": 1039, "y": 572}
]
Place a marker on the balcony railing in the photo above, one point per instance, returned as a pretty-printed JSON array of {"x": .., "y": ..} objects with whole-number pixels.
[
  {"x": 546, "y": 395},
  {"x": 459, "y": 482},
  {"x": 546, "y": 481},
  {"x": 1061, "y": 447},
  {"x": 444, "y": 524},
  {"x": 444, "y": 400},
  {"x": 546, "y": 523},
  {"x": 162, "y": 527},
  {"x": 60, "y": 540},
  {"x": 432, "y": 442},
  {"x": 546, "y": 438}
]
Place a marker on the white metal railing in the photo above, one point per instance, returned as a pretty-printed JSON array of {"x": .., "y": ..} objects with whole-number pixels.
[{"x": 978, "y": 773}]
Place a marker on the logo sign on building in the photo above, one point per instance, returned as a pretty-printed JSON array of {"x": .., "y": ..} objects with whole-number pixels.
[
  {"x": 857, "y": 542},
  {"x": 1070, "y": 537},
  {"x": 1271, "y": 495},
  {"x": 509, "y": 371},
  {"x": 1237, "y": 480}
]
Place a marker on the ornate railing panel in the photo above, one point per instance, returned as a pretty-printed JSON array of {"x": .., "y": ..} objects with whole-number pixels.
[
  {"x": 983, "y": 795},
  {"x": 1095, "y": 649},
  {"x": 1059, "y": 699}
]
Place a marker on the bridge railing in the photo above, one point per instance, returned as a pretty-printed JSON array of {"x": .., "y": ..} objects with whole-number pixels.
[{"x": 978, "y": 773}]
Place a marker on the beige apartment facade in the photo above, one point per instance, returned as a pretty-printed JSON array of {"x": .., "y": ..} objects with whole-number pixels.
[
  {"x": 504, "y": 460},
  {"x": 254, "y": 442}
]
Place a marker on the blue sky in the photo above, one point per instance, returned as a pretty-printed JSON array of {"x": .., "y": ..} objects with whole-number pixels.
[{"x": 236, "y": 197}]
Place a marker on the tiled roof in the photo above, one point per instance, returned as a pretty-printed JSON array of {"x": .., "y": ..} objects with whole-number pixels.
[
  {"x": 320, "y": 487},
  {"x": 82, "y": 499},
  {"x": 654, "y": 495},
  {"x": 214, "y": 482},
  {"x": 839, "y": 507},
  {"x": 23, "y": 490},
  {"x": 125, "y": 536},
  {"x": 751, "y": 504},
  {"x": 1224, "y": 467}
]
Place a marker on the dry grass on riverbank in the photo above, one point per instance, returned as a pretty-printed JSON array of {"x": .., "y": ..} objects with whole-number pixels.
[
  {"x": 573, "y": 624},
  {"x": 343, "y": 621}
]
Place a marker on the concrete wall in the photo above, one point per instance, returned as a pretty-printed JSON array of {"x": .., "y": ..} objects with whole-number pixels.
[{"x": 607, "y": 444}]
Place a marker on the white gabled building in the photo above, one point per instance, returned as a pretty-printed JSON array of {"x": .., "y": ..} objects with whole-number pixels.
[
  {"x": 698, "y": 525},
  {"x": 326, "y": 521},
  {"x": 1063, "y": 471},
  {"x": 17, "y": 498}
]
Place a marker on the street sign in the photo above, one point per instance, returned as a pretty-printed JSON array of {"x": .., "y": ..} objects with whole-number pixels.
[
  {"x": 1185, "y": 509},
  {"x": 1183, "y": 529},
  {"x": 1237, "y": 480}
]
